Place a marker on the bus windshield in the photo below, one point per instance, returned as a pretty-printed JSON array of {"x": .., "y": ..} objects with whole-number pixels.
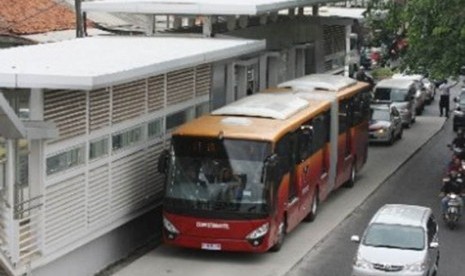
[{"x": 217, "y": 175}]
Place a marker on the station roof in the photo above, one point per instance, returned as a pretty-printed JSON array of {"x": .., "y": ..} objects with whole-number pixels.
[
  {"x": 198, "y": 7},
  {"x": 95, "y": 62}
]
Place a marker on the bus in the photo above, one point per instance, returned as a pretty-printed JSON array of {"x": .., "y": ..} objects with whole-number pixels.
[{"x": 245, "y": 175}]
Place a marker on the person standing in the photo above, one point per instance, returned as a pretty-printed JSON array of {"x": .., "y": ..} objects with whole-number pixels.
[{"x": 444, "y": 99}]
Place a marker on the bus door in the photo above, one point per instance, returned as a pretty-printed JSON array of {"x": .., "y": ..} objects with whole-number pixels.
[
  {"x": 294, "y": 191},
  {"x": 345, "y": 154},
  {"x": 303, "y": 175}
]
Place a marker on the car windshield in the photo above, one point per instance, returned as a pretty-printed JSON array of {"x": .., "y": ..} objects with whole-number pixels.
[
  {"x": 390, "y": 94},
  {"x": 218, "y": 174},
  {"x": 381, "y": 115},
  {"x": 395, "y": 236}
]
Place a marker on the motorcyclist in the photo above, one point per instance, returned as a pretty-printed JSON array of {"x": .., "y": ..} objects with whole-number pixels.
[
  {"x": 459, "y": 143},
  {"x": 362, "y": 75},
  {"x": 451, "y": 184}
]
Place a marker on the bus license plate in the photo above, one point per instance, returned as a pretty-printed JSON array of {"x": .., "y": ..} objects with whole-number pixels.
[{"x": 211, "y": 246}]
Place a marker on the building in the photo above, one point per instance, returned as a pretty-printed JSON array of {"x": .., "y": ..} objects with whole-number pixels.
[{"x": 83, "y": 120}]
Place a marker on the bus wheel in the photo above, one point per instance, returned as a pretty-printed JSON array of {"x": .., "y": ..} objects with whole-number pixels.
[
  {"x": 350, "y": 183},
  {"x": 281, "y": 235},
  {"x": 314, "y": 211}
]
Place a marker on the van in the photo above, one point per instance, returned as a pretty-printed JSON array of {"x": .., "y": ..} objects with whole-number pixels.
[
  {"x": 401, "y": 93},
  {"x": 399, "y": 240}
]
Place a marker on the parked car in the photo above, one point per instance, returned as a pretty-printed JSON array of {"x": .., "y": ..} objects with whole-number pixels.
[
  {"x": 399, "y": 240},
  {"x": 385, "y": 124},
  {"x": 421, "y": 93},
  {"x": 458, "y": 116},
  {"x": 401, "y": 94},
  {"x": 430, "y": 90}
]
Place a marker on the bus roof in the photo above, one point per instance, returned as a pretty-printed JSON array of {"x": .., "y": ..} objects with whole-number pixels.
[
  {"x": 325, "y": 86},
  {"x": 267, "y": 123}
]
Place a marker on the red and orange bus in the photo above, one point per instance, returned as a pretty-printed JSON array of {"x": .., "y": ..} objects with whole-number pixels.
[{"x": 242, "y": 177}]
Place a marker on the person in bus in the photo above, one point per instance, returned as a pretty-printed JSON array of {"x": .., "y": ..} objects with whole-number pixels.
[{"x": 234, "y": 185}]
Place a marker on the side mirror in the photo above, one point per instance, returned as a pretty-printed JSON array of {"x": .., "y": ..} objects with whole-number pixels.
[
  {"x": 434, "y": 244},
  {"x": 456, "y": 99},
  {"x": 355, "y": 238},
  {"x": 163, "y": 161}
]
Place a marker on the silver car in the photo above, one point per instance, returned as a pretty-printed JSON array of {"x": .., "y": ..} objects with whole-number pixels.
[
  {"x": 399, "y": 240},
  {"x": 385, "y": 124}
]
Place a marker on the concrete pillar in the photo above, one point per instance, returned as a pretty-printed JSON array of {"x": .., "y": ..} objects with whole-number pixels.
[
  {"x": 230, "y": 81},
  {"x": 315, "y": 10},
  {"x": 241, "y": 82},
  {"x": 263, "y": 63},
  {"x": 36, "y": 165},
  {"x": 291, "y": 63},
  {"x": 207, "y": 26},
  {"x": 177, "y": 22},
  {"x": 231, "y": 23},
  {"x": 347, "y": 60},
  {"x": 273, "y": 69},
  {"x": 299, "y": 62},
  {"x": 151, "y": 25}
]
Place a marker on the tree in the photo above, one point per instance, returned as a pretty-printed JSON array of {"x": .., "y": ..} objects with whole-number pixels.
[{"x": 433, "y": 29}]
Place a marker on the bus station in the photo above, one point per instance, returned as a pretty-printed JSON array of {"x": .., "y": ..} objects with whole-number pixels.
[{"x": 84, "y": 120}]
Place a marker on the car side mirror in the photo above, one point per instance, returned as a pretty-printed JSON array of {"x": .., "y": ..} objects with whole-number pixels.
[
  {"x": 434, "y": 244},
  {"x": 355, "y": 238},
  {"x": 456, "y": 99}
]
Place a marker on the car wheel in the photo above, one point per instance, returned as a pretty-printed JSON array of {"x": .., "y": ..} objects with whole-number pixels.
[
  {"x": 281, "y": 236},
  {"x": 314, "y": 211},
  {"x": 392, "y": 138},
  {"x": 399, "y": 136}
]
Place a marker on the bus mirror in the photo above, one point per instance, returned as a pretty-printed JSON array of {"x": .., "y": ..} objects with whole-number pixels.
[{"x": 163, "y": 161}]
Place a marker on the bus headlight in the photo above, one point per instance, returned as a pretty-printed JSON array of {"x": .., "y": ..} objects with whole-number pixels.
[
  {"x": 171, "y": 230},
  {"x": 256, "y": 236}
]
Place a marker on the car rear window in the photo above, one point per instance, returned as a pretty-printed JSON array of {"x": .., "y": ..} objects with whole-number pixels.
[{"x": 390, "y": 94}]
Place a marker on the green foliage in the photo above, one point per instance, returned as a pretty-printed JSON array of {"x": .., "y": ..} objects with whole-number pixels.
[
  {"x": 434, "y": 29},
  {"x": 382, "y": 73}
]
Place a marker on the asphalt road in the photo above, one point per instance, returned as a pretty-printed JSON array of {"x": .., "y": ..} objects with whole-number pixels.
[{"x": 417, "y": 182}]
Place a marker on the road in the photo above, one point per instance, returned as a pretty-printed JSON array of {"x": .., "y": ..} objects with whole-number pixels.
[
  {"x": 416, "y": 182},
  {"x": 306, "y": 248}
]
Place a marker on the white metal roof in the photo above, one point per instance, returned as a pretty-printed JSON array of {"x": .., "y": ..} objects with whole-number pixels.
[
  {"x": 354, "y": 13},
  {"x": 200, "y": 7},
  {"x": 276, "y": 106},
  {"x": 94, "y": 62},
  {"x": 319, "y": 81}
]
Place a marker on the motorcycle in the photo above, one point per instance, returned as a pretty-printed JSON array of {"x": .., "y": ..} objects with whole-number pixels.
[
  {"x": 453, "y": 211},
  {"x": 457, "y": 151}
]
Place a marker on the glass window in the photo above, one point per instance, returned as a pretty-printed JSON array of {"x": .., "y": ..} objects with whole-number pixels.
[
  {"x": 65, "y": 160},
  {"x": 98, "y": 148},
  {"x": 126, "y": 139},
  {"x": 155, "y": 128},
  {"x": 179, "y": 118}
]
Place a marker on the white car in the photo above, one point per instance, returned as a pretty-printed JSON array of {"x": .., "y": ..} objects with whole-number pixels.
[{"x": 399, "y": 240}]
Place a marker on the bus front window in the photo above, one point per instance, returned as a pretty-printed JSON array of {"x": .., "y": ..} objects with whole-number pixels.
[{"x": 217, "y": 175}]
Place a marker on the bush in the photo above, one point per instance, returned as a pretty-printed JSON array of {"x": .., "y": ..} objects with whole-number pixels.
[{"x": 382, "y": 73}]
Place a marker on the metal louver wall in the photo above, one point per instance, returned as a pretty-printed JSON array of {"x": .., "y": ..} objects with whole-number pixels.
[
  {"x": 202, "y": 80},
  {"x": 67, "y": 109},
  {"x": 334, "y": 38},
  {"x": 156, "y": 93},
  {"x": 65, "y": 215},
  {"x": 180, "y": 86},
  {"x": 99, "y": 109},
  {"x": 128, "y": 100},
  {"x": 98, "y": 199}
]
